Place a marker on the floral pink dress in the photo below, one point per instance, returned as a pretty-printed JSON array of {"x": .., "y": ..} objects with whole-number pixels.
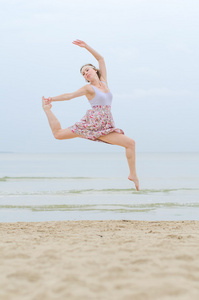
[{"x": 97, "y": 121}]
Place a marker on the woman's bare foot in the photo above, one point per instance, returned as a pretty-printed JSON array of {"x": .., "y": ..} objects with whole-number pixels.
[
  {"x": 135, "y": 180},
  {"x": 46, "y": 104}
]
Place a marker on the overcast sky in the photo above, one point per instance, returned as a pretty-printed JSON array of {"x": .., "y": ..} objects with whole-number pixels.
[{"x": 151, "y": 49}]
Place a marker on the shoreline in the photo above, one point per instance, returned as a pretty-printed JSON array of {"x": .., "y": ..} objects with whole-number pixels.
[{"x": 99, "y": 260}]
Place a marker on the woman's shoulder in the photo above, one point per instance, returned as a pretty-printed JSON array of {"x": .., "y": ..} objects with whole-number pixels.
[
  {"x": 89, "y": 88},
  {"x": 103, "y": 80}
]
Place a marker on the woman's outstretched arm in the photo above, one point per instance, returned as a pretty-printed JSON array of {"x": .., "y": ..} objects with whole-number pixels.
[
  {"x": 81, "y": 92},
  {"x": 100, "y": 59}
]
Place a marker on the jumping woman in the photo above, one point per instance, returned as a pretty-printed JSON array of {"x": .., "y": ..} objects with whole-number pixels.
[{"x": 97, "y": 124}]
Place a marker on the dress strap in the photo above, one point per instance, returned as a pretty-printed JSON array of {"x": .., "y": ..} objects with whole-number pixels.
[{"x": 104, "y": 82}]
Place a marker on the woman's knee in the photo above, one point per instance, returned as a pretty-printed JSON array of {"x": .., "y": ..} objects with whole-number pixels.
[
  {"x": 131, "y": 143},
  {"x": 64, "y": 134},
  {"x": 57, "y": 135}
]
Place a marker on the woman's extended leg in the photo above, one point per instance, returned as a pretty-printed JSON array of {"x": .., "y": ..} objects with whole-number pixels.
[
  {"x": 124, "y": 141},
  {"x": 58, "y": 132}
]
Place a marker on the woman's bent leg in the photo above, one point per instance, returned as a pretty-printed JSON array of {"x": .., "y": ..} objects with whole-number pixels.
[
  {"x": 58, "y": 132},
  {"x": 115, "y": 138}
]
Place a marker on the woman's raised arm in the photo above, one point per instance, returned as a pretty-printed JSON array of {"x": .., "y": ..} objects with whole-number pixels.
[{"x": 100, "y": 59}]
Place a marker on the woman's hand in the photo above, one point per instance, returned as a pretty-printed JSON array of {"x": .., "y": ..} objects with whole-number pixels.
[
  {"x": 47, "y": 100},
  {"x": 80, "y": 43}
]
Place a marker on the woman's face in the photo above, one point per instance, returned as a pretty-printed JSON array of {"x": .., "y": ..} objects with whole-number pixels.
[{"x": 88, "y": 72}]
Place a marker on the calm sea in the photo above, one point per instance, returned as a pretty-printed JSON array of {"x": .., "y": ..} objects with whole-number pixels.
[{"x": 94, "y": 186}]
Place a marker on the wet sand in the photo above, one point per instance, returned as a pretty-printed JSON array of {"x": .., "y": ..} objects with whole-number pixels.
[{"x": 127, "y": 260}]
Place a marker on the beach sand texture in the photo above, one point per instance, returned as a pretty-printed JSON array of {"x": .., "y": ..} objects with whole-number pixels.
[{"x": 130, "y": 260}]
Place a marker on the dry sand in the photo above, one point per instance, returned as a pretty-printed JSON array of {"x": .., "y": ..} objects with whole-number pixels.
[{"x": 130, "y": 260}]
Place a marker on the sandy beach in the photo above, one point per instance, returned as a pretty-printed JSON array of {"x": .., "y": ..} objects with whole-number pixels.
[{"x": 99, "y": 260}]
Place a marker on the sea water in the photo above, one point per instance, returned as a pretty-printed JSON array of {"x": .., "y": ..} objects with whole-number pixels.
[{"x": 94, "y": 186}]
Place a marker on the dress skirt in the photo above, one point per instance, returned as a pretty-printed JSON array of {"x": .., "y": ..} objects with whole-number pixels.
[{"x": 97, "y": 121}]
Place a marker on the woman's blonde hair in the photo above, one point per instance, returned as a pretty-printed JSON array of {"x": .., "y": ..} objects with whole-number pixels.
[{"x": 90, "y": 65}]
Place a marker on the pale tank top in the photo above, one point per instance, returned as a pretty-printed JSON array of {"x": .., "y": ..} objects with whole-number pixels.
[{"x": 101, "y": 98}]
